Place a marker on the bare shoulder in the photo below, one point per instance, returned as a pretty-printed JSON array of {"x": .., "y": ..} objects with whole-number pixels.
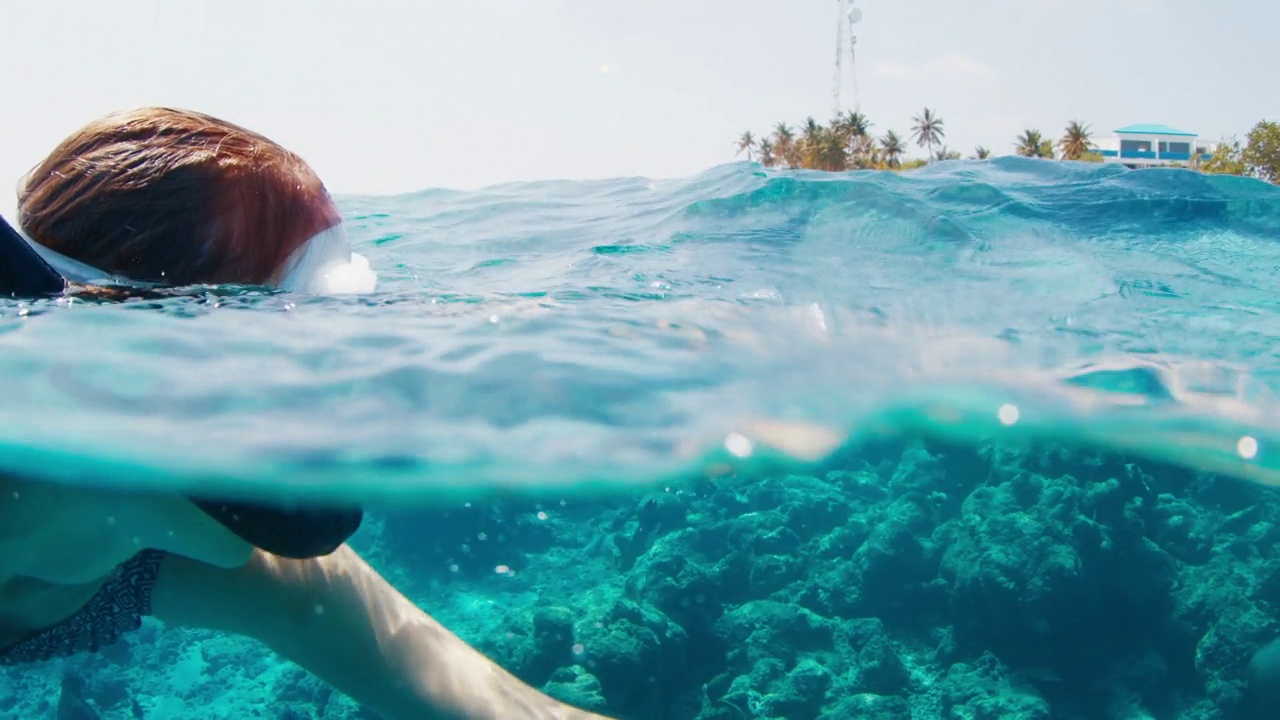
[{"x": 70, "y": 534}]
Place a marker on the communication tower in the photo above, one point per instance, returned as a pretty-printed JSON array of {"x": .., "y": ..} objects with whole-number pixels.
[{"x": 847, "y": 15}]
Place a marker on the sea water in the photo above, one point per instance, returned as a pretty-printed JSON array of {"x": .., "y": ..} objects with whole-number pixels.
[
  {"x": 625, "y": 330},
  {"x": 683, "y": 389}
]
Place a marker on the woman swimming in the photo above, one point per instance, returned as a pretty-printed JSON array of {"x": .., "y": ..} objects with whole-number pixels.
[{"x": 170, "y": 197}]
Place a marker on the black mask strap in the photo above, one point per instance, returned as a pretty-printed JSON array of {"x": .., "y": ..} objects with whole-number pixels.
[{"x": 23, "y": 273}]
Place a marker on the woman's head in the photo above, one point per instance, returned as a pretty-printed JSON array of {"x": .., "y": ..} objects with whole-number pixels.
[{"x": 179, "y": 198}]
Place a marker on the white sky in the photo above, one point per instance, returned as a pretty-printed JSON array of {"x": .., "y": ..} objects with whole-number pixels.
[{"x": 385, "y": 97}]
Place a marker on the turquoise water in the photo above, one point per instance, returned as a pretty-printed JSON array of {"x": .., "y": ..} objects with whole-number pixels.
[
  {"x": 615, "y": 331},
  {"x": 926, "y": 445}
]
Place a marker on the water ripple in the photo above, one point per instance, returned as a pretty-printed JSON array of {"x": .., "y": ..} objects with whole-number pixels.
[{"x": 564, "y": 332}]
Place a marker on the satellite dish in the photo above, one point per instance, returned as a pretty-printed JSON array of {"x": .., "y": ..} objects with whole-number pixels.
[{"x": 855, "y": 15}]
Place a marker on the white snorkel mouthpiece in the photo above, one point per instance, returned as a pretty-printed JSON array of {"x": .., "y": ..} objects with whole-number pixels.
[{"x": 325, "y": 265}]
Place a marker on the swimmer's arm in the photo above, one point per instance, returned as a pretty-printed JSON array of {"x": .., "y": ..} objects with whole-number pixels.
[{"x": 339, "y": 619}]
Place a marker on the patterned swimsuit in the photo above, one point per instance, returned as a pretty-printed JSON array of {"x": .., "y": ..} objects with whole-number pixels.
[{"x": 115, "y": 609}]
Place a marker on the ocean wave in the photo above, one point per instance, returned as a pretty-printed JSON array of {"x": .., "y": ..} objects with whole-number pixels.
[{"x": 570, "y": 333}]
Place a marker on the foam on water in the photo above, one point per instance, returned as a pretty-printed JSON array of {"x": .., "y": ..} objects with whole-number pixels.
[{"x": 569, "y": 333}]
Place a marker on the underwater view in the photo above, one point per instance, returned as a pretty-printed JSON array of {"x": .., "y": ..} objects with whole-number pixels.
[{"x": 984, "y": 439}]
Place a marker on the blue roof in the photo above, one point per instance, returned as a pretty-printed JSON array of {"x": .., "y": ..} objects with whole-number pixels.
[{"x": 1152, "y": 129}]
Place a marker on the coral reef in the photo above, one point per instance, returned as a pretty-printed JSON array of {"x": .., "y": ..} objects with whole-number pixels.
[{"x": 909, "y": 580}]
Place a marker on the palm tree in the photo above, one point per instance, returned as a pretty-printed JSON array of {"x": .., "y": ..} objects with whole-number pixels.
[
  {"x": 891, "y": 146},
  {"x": 1075, "y": 143},
  {"x": 869, "y": 156},
  {"x": 927, "y": 130},
  {"x": 863, "y": 153},
  {"x": 811, "y": 143},
  {"x": 1031, "y": 144},
  {"x": 784, "y": 145},
  {"x": 851, "y": 124},
  {"x": 831, "y": 154},
  {"x": 748, "y": 143},
  {"x": 853, "y": 128},
  {"x": 856, "y": 129},
  {"x": 767, "y": 157},
  {"x": 846, "y": 143}
]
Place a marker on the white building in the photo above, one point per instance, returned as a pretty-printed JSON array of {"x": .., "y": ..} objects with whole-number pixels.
[{"x": 1151, "y": 145}]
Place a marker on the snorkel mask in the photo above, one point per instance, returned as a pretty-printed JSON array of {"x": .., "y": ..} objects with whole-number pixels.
[
  {"x": 28, "y": 269},
  {"x": 323, "y": 265}
]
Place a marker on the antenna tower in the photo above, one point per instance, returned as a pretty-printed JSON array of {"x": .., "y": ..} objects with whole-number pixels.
[{"x": 847, "y": 15}]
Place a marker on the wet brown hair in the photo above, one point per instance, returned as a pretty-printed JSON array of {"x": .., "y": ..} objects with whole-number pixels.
[{"x": 174, "y": 197}]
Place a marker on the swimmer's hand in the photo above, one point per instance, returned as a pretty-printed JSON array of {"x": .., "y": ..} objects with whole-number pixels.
[{"x": 339, "y": 619}]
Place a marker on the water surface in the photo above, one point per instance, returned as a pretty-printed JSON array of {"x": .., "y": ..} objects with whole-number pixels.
[{"x": 558, "y": 334}]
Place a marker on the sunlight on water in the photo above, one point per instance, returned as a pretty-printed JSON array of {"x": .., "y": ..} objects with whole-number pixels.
[{"x": 561, "y": 334}]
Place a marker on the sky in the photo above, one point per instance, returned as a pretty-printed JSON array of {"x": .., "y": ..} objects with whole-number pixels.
[{"x": 386, "y": 97}]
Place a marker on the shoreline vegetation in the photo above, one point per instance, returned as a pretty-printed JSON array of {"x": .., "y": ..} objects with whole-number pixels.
[{"x": 848, "y": 143}]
